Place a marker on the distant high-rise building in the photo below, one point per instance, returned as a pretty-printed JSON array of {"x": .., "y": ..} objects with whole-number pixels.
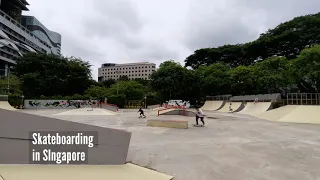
[
  {"x": 141, "y": 70},
  {"x": 22, "y": 34}
]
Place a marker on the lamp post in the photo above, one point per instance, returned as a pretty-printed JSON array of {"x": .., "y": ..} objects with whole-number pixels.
[
  {"x": 22, "y": 97},
  {"x": 6, "y": 73},
  {"x": 117, "y": 72},
  {"x": 145, "y": 102}
]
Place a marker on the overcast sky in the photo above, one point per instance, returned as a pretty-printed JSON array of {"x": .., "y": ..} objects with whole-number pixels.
[{"x": 121, "y": 31}]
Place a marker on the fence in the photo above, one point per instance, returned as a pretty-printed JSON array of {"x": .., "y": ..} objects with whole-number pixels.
[
  {"x": 219, "y": 97},
  {"x": 258, "y": 97},
  {"x": 303, "y": 99}
]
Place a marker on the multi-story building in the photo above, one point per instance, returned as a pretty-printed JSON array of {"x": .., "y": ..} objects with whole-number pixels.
[
  {"x": 141, "y": 70},
  {"x": 16, "y": 39},
  {"x": 53, "y": 39}
]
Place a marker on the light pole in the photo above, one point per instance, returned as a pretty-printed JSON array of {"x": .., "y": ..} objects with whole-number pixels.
[
  {"x": 8, "y": 74},
  {"x": 145, "y": 102},
  {"x": 22, "y": 103},
  {"x": 118, "y": 72}
]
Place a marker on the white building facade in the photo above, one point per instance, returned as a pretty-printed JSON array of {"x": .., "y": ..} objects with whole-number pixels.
[{"x": 141, "y": 70}]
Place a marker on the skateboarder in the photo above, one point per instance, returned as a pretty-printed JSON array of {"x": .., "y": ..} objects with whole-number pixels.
[
  {"x": 199, "y": 114},
  {"x": 141, "y": 113},
  {"x": 230, "y": 107}
]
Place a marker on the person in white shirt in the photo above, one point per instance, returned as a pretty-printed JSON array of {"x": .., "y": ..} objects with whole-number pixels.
[{"x": 199, "y": 114}]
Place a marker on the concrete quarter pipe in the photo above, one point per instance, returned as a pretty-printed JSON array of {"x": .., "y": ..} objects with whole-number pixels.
[
  {"x": 236, "y": 106},
  {"x": 5, "y": 105},
  {"x": 212, "y": 105},
  {"x": 294, "y": 114},
  {"x": 256, "y": 108},
  {"x": 276, "y": 114}
]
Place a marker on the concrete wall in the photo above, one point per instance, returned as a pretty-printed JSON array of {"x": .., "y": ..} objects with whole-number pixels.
[
  {"x": 55, "y": 104},
  {"x": 180, "y": 112},
  {"x": 15, "y": 128}
]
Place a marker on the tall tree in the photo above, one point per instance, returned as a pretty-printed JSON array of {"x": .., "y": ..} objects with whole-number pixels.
[
  {"x": 307, "y": 69},
  {"x": 287, "y": 40},
  {"x": 273, "y": 75},
  {"x": 214, "y": 79},
  {"x": 173, "y": 81},
  {"x": 50, "y": 75}
]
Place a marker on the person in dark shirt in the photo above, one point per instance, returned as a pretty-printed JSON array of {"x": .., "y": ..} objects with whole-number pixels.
[{"x": 141, "y": 112}]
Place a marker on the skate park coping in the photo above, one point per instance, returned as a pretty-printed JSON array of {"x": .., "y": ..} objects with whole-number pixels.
[
  {"x": 219, "y": 97},
  {"x": 258, "y": 97}
]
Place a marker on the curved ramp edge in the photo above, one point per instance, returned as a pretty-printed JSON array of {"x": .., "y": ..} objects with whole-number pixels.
[
  {"x": 276, "y": 114},
  {"x": 6, "y": 106},
  {"x": 234, "y": 105},
  {"x": 127, "y": 171},
  {"x": 212, "y": 105},
  {"x": 303, "y": 114},
  {"x": 252, "y": 108}
]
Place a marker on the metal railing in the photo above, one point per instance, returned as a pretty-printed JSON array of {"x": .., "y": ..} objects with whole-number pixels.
[
  {"x": 303, "y": 99},
  {"x": 19, "y": 26}
]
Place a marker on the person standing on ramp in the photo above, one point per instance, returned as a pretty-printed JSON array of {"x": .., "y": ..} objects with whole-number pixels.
[
  {"x": 141, "y": 113},
  {"x": 199, "y": 114}
]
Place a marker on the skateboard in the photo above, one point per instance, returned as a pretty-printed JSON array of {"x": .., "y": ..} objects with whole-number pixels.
[
  {"x": 197, "y": 125},
  {"x": 142, "y": 117}
]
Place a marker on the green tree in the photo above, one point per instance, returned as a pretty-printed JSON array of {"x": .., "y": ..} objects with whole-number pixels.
[
  {"x": 214, "y": 79},
  {"x": 107, "y": 83},
  {"x": 272, "y": 75},
  {"x": 242, "y": 80},
  {"x": 14, "y": 85},
  {"x": 173, "y": 81},
  {"x": 131, "y": 90},
  {"x": 287, "y": 40},
  {"x": 51, "y": 75},
  {"x": 307, "y": 70},
  {"x": 96, "y": 92}
]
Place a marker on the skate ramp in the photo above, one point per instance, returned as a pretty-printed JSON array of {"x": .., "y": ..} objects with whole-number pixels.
[
  {"x": 80, "y": 172},
  {"x": 88, "y": 112},
  {"x": 236, "y": 106},
  {"x": 212, "y": 105},
  {"x": 256, "y": 108},
  {"x": 179, "y": 124},
  {"x": 15, "y": 128},
  {"x": 182, "y": 112},
  {"x": 5, "y": 105},
  {"x": 278, "y": 113},
  {"x": 164, "y": 111},
  {"x": 303, "y": 114}
]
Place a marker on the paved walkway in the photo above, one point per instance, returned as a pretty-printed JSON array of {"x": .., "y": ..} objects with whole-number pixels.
[{"x": 230, "y": 147}]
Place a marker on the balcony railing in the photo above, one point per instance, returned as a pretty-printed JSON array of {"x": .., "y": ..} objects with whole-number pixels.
[{"x": 19, "y": 26}]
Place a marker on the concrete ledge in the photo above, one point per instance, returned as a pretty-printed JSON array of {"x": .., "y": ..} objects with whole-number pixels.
[{"x": 168, "y": 123}]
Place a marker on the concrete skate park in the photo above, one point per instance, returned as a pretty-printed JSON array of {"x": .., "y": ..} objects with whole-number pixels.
[{"x": 245, "y": 137}]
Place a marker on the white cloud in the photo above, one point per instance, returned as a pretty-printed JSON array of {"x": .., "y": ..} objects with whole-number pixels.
[{"x": 122, "y": 31}]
